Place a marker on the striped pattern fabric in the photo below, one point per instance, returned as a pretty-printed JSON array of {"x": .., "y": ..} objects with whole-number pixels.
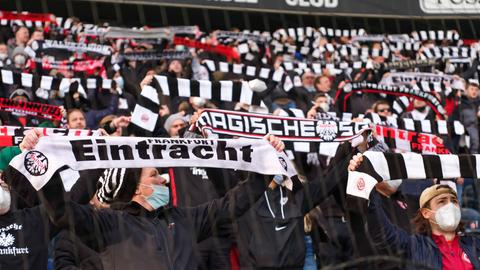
[
  {"x": 439, "y": 35},
  {"x": 145, "y": 114},
  {"x": 438, "y": 127},
  {"x": 377, "y": 167},
  {"x": 449, "y": 52},
  {"x": 279, "y": 76},
  {"x": 48, "y": 82},
  {"x": 110, "y": 184},
  {"x": 388, "y": 166}
]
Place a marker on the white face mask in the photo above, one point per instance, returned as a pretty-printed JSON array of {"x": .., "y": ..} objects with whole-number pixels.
[
  {"x": 5, "y": 201},
  {"x": 3, "y": 56},
  {"x": 20, "y": 60},
  {"x": 448, "y": 217},
  {"x": 324, "y": 106}
]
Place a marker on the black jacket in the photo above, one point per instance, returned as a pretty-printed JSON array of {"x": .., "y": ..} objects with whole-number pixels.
[
  {"x": 135, "y": 238},
  {"x": 271, "y": 236},
  {"x": 71, "y": 254}
]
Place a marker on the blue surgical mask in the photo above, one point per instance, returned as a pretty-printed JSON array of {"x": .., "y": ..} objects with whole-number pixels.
[
  {"x": 120, "y": 82},
  {"x": 160, "y": 196}
]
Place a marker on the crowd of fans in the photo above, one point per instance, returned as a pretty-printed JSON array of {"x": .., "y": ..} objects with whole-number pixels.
[{"x": 189, "y": 218}]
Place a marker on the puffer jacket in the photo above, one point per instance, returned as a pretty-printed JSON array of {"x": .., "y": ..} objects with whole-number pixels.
[{"x": 419, "y": 249}]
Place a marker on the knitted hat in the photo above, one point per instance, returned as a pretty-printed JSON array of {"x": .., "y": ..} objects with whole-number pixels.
[
  {"x": 21, "y": 92},
  {"x": 118, "y": 185},
  {"x": 433, "y": 191},
  {"x": 171, "y": 119}
]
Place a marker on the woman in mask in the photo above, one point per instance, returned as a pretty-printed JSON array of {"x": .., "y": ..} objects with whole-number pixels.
[{"x": 437, "y": 243}]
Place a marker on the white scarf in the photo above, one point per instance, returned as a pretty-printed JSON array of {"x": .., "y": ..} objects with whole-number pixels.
[{"x": 81, "y": 153}]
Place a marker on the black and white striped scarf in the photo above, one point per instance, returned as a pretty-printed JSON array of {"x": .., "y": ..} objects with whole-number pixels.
[
  {"x": 449, "y": 52},
  {"x": 436, "y": 127},
  {"x": 145, "y": 114},
  {"x": 268, "y": 74},
  {"x": 377, "y": 167},
  {"x": 439, "y": 35},
  {"x": 34, "y": 81}
]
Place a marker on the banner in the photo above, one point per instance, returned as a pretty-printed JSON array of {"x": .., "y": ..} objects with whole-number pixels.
[
  {"x": 385, "y": 8},
  {"x": 51, "y": 154}
]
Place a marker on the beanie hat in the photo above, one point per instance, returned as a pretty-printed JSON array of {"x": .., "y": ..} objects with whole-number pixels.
[
  {"x": 118, "y": 184},
  {"x": 21, "y": 92},
  {"x": 433, "y": 191},
  {"x": 171, "y": 119}
]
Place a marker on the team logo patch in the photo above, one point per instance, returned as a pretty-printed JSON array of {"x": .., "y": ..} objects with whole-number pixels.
[
  {"x": 6, "y": 239},
  {"x": 36, "y": 163},
  {"x": 283, "y": 163},
  {"x": 34, "y": 45},
  {"x": 327, "y": 130},
  {"x": 347, "y": 88},
  {"x": 145, "y": 118},
  {"x": 360, "y": 184}
]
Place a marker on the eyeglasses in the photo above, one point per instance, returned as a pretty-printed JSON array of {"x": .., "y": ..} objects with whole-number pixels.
[{"x": 384, "y": 110}]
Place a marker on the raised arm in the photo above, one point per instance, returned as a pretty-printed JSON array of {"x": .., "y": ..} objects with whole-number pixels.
[
  {"x": 235, "y": 203},
  {"x": 383, "y": 232}
]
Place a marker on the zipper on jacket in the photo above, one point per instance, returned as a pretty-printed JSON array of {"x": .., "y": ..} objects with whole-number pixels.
[{"x": 156, "y": 221}]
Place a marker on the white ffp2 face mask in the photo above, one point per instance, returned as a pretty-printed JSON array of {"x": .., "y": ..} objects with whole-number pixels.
[{"x": 448, "y": 217}]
